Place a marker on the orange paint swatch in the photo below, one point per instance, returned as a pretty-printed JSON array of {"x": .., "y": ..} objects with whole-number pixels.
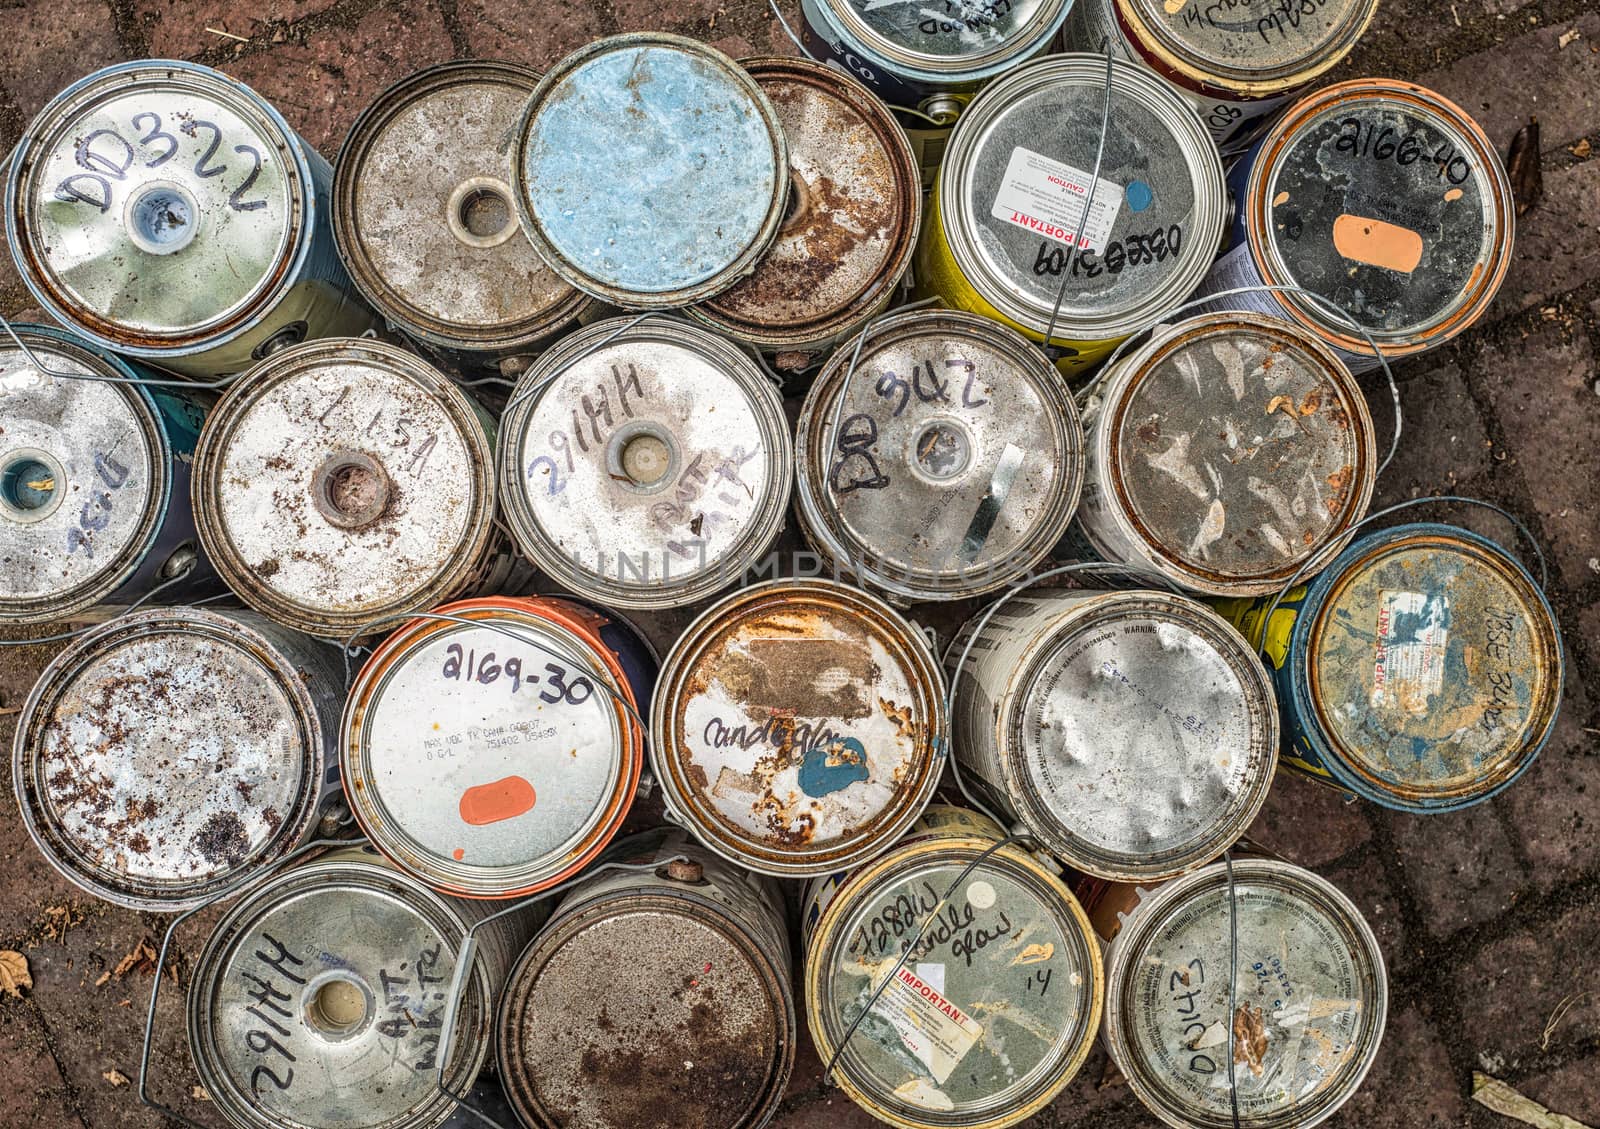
[
  {"x": 1377, "y": 243},
  {"x": 491, "y": 803}
]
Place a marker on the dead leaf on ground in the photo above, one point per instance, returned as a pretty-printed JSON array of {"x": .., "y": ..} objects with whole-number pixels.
[
  {"x": 115, "y": 1077},
  {"x": 1496, "y": 1095},
  {"x": 14, "y": 974},
  {"x": 59, "y": 920},
  {"x": 1567, "y": 37},
  {"x": 1581, "y": 149},
  {"x": 104, "y": 976},
  {"x": 1522, "y": 163},
  {"x": 143, "y": 957}
]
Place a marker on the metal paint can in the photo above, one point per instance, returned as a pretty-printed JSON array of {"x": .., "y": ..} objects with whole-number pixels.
[
  {"x": 957, "y": 460},
  {"x": 1228, "y": 453},
  {"x": 167, "y": 212},
  {"x": 1381, "y": 197},
  {"x": 1010, "y": 199},
  {"x": 1422, "y": 670},
  {"x": 94, "y": 483},
  {"x": 927, "y": 61},
  {"x": 340, "y": 482},
  {"x": 995, "y": 1009},
  {"x": 855, "y": 205},
  {"x": 653, "y": 999},
  {"x": 171, "y": 753},
  {"x": 647, "y": 472},
  {"x": 427, "y": 225},
  {"x": 491, "y": 766},
  {"x": 1311, "y": 994},
  {"x": 1236, "y": 61},
  {"x": 797, "y": 727},
  {"x": 650, "y": 170},
  {"x": 1132, "y": 734},
  {"x": 319, "y": 999}
]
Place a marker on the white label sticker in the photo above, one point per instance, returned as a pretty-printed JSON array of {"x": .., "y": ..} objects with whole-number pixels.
[
  {"x": 933, "y": 975},
  {"x": 1408, "y": 656},
  {"x": 932, "y": 1028},
  {"x": 1046, "y": 196}
]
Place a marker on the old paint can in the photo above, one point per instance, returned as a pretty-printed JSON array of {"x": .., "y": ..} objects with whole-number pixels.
[
  {"x": 319, "y": 1000},
  {"x": 484, "y": 760},
  {"x": 1010, "y": 199},
  {"x": 645, "y": 466},
  {"x": 1133, "y": 734},
  {"x": 995, "y": 1008},
  {"x": 956, "y": 462},
  {"x": 927, "y": 61},
  {"x": 1422, "y": 670},
  {"x": 1230, "y": 453},
  {"x": 167, "y": 212},
  {"x": 94, "y": 483},
  {"x": 1234, "y": 60},
  {"x": 426, "y": 222},
  {"x": 651, "y": 171},
  {"x": 173, "y": 752},
  {"x": 855, "y": 205},
  {"x": 1310, "y": 992},
  {"x": 797, "y": 727},
  {"x": 1382, "y": 198},
  {"x": 653, "y": 1000},
  {"x": 344, "y": 481}
]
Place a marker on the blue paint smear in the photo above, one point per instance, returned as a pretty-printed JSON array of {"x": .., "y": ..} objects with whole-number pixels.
[
  {"x": 819, "y": 778},
  {"x": 1139, "y": 196}
]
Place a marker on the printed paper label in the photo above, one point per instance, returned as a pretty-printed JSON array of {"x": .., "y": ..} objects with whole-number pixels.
[
  {"x": 1408, "y": 655},
  {"x": 932, "y": 1028},
  {"x": 1046, "y": 196}
]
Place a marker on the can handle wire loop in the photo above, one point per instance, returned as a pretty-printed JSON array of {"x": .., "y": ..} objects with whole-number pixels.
[
  {"x": 63, "y": 636},
  {"x": 100, "y": 378},
  {"x": 225, "y": 894},
  {"x": 587, "y": 351},
  {"x": 1233, "y": 983}
]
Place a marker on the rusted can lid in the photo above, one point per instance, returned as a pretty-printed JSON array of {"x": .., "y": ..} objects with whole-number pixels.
[
  {"x": 167, "y": 753},
  {"x": 1433, "y": 663},
  {"x": 342, "y": 481},
  {"x": 159, "y": 204},
  {"x": 319, "y": 1001},
  {"x": 1257, "y": 49},
  {"x": 953, "y": 43},
  {"x": 994, "y": 1010},
  {"x": 1389, "y": 201},
  {"x": 83, "y": 478},
  {"x": 1232, "y": 450},
  {"x": 651, "y": 170},
  {"x": 855, "y": 204},
  {"x": 1310, "y": 997},
  {"x": 429, "y": 230},
  {"x": 956, "y": 462},
  {"x": 647, "y": 472},
  {"x": 795, "y": 725},
  {"x": 1017, "y": 171},
  {"x": 491, "y": 761}
]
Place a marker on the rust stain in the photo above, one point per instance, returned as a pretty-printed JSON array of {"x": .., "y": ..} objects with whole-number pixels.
[
  {"x": 1249, "y": 1038},
  {"x": 900, "y": 715}
]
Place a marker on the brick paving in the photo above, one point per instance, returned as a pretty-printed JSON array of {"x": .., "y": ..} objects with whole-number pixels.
[{"x": 1489, "y": 919}]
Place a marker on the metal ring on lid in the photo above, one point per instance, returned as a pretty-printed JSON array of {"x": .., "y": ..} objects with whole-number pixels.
[
  {"x": 626, "y": 147},
  {"x": 427, "y": 223},
  {"x": 342, "y": 481}
]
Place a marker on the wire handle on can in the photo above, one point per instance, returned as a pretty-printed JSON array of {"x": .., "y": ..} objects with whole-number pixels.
[
  {"x": 1233, "y": 982},
  {"x": 468, "y": 955},
  {"x": 224, "y": 894},
  {"x": 587, "y": 351},
  {"x": 62, "y": 636},
  {"x": 101, "y": 378}
]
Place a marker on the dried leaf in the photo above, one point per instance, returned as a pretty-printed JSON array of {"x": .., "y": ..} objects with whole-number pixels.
[
  {"x": 1581, "y": 149},
  {"x": 1522, "y": 163},
  {"x": 143, "y": 957},
  {"x": 14, "y": 973},
  {"x": 1567, "y": 37},
  {"x": 115, "y": 1077},
  {"x": 1496, "y": 1095},
  {"x": 104, "y": 976}
]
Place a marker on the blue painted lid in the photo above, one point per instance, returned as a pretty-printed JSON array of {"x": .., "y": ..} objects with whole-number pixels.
[{"x": 652, "y": 171}]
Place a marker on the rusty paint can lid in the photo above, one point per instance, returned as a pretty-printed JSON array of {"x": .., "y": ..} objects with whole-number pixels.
[
  {"x": 952, "y": 45},
  {"x": 651, "y": 170},
  {"x": 427, "y": 223},
  {"x": 319, "y": 1000},
  {"x": 1433, "y": 665},
  {"x": 491, "y": 761},
  {"x": 796, "y": 726},
  {"x": 855, "y": 204},
  {"x": 645, "y": 466},
  {"x": 1311, "y": 997},
  {"x": 1017, "y": 170},
  {"x": 1232, "y": 451},
  {"x": 159, "y": 204},
  {"x": 957, "y": 461},
  {"x": 650, "y": 1001},
  {"x": 166, "y": 754},
  {"x": 342, "y": 481},
  {"x": 1259, "y": 49},
  {"x": 995, "y": 1008},
  {"x": 83, "y": 478},
  {"x": 1389, "y": 201}
]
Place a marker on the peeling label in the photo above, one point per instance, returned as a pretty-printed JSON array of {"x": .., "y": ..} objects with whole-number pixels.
[
  {"x": 1047, "y": 196},
  {"x": 1408, "y": 654},
  {"x": 932, "y": 1028}
]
